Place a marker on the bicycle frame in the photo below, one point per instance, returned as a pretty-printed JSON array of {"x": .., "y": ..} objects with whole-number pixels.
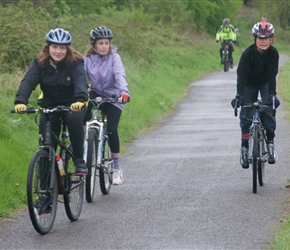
[
  {"x": 257, "y": 125},
  {"x": 97, "y": 124}
]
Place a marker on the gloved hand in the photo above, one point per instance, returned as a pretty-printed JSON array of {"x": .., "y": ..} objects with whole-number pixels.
[
  {"x": 239, "y": 99},
  {"x": 276, "y": 100},
  {"x": 217, "y": 41},
  {"x": 124, "y": 98},
  {"x": 20, "y": 107},
  {"x": 77, "y": 106}
]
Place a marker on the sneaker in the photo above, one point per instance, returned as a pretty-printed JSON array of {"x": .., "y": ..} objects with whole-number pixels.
[
  {"x": 272, "y": 153},
  {"x": 80, "y": 167},
  {"x": 117, "y": 176},
  {"x": 244, "y": 157},
  {"x": 231, "y": 66},
  {"x": 43, "y": 204}
]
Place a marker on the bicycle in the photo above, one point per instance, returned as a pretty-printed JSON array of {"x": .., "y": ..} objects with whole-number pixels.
[
  {"x": 226, "y": 60},
  {"x": 97, "y": 153},
  {"x": 44, "y": 180},
  {"x": 258, "y": 153}
]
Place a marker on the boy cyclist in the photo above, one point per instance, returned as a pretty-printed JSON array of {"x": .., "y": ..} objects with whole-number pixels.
[{"x": 256, "y": 73}]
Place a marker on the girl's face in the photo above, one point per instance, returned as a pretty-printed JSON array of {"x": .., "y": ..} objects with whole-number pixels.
[
  {"x": 263, "y": 43},
  {"x": 57, "y": 52},
  {"x": 103, "y": 46}
]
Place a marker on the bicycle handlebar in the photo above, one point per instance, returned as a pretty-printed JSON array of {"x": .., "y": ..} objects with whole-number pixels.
[
  {"x": 257, "y": 103},
  {"x": 31, "y": 110}
]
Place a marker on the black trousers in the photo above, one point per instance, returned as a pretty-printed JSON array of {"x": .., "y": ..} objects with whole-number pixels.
[
  {"x": 113, "y": 117},
  {"x": 74, "y": 122}
]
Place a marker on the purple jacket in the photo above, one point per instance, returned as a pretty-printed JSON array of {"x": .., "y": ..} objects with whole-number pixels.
[{"x": 107, "y": 75}]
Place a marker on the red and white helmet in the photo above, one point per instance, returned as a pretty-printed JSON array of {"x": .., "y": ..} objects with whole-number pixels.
[{"x": 263, "y": 29}]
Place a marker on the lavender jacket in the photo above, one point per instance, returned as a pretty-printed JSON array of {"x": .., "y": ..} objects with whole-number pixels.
[{"x": 107, "y": 75}]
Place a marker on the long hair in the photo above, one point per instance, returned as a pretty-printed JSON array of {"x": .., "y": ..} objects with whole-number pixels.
[{"x": 71, "y": 55}]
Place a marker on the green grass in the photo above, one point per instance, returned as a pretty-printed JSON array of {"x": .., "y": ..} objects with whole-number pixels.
[
  {"x": 282, "y": 237},
  {"x": 155, "y": 89}
]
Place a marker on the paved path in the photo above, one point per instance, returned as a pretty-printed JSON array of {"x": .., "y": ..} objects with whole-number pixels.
[{"x": 183, "y": 189}]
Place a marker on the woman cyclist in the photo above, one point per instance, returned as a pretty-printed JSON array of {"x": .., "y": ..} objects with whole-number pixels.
[{"x": 59, "y": 69}]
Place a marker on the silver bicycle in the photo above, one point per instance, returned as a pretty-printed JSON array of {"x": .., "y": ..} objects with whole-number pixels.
[{"x": 97, "y": 153}]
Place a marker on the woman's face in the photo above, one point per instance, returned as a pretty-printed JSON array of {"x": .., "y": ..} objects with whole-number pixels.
[
  {"x": 57, "y": 52},
  {"x": 103, "y": 46},
  {"x": 263, "y": 43}
]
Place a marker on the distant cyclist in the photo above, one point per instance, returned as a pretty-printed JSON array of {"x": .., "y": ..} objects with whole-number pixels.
[
  {"x": 238, "y": 36},
  {"x": 256, "y": 74},
  {"x": 226, "y": 33}
]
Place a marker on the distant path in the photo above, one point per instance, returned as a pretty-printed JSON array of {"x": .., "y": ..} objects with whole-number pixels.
[{"x": 184, "y": 187}]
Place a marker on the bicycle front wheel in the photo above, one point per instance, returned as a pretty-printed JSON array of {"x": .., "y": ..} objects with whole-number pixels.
[
  {"x": 74, "y": 191},
  {"x": 106, "y": 171},
  {"x": 226, "y": 64},
  {"x": 255, "y": 158},
  {"x": 92, "y": 165},
  {"x": 261, "y": 166},
  {"x": 42, "y": 192}
]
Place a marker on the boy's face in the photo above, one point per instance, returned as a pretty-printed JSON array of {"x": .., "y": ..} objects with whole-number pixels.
[{"x": 263, "y": 43}]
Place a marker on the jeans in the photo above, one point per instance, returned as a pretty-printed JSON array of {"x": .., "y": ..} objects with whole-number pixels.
[{"x": 266, "y": 114}]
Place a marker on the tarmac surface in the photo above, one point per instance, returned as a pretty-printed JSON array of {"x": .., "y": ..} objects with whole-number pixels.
[{"x": 183, "y": 187}]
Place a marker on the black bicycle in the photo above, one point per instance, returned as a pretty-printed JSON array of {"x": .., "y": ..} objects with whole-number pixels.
[
  {"x": 98, "y": 155},
  {"x": 45, "y": 181},
  {"x": 226, "y": 59},
  {"x": 258, "y": 153}
]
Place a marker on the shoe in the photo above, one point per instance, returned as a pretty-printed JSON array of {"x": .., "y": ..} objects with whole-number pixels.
[
  {"x": 244, "y": 158},
  {"x": 43, "y": 204},
  {"x": 80, "y": 167},
  {"x": 272, "y": 153},
  {"x": 231, "y": 66},
  {"x": 117, "y": 177}
]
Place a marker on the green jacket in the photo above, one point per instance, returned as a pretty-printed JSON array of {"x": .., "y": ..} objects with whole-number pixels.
[{"x": 226, "y": 33}]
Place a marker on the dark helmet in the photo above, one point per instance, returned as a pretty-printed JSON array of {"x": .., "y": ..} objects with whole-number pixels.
[
  {"x": 58, "y": 36},
  {"x": 226, "y": 21},
  {"x": 263, "y": 29},
  {"x": 101, "y": 33}
]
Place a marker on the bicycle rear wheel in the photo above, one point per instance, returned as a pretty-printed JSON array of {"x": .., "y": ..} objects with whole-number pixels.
[
  {"x": 74, "y": 191},
  {"x": 106, "y": 171},
  {"x": 40, "y": 186},
  {"x": 92, "y": 165},
  {"x": 255, "y": 158}
]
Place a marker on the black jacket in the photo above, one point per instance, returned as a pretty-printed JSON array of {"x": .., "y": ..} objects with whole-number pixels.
[
  {"x": 257, "y": 68},
  {"x": 63, "y": 84}
]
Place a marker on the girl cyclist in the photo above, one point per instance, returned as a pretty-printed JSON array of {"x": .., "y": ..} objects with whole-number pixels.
[{"x": 107, "y": 78}]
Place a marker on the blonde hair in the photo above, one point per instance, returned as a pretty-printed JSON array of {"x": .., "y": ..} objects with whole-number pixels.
[{"x": 71, "y": 55}]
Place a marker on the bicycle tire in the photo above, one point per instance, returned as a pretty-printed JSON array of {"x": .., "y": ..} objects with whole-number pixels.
[
  {"x": 74, "y": 191},
  {"x": 38, "y": 181},
  {"x": 106, "y": 171},
  {"x": 91, "y": 164},
  {"x": 255, "y": 158},
  {"x": 261, "y": 166},
  {"x": 226, "y": 63}
]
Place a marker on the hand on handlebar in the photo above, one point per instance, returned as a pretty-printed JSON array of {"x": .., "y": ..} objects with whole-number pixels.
[
  {"x": 77, "y": 106},
  {"x": 237, "y": 101},
  {"x": 124, "y": 98},
  {"x": 20, "y": 107},
  {"x": 274, "y": 101}
]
